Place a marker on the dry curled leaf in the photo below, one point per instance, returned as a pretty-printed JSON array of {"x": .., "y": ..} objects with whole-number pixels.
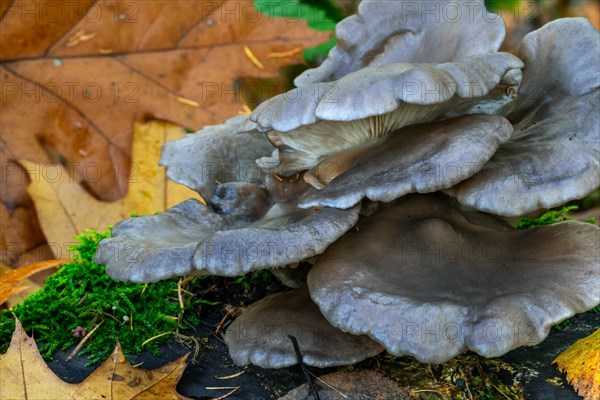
[
  {"x": 581, "y": 363},
  {"x": 25, "y": 375},
  {"x": 11, "y": 278},
  {"x": 65, "y": 208}
]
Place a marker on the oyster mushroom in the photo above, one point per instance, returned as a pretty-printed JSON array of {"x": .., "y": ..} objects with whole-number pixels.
[
  {"x": 424, "y": 275},
  {"x": 260, "y": 335},
  {"x": 554, "y": 153},
  {"x": 190, "y": 238},
  {"x": 325, "y": 127},
  {"x": 422, "y": 158},
  {"x": 408, "y": 31},
  {"x": 426, "y": 279}
]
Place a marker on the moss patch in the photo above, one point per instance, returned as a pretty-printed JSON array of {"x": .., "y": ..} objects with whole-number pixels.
[
  {"x": 80, "y": 296},
  {"x": 551, "y": 217},
  {"x": 466, "y": 376}
]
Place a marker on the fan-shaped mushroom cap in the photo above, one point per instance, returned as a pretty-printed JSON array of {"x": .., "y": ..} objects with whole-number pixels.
[
  {"x": 426, "y": 280},
  {"x": 554, "y": 154},
  {"x": 422, "y": 158},
  {"x": 191, "y": 238},
  {"x": 408, "y": 31},
  {"x": 338, "y": 120},
  {"x": 215, "y": 154},
  {"x": 260, "y": 335}
]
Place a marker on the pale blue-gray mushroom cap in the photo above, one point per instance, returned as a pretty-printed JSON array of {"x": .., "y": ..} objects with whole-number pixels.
[
  {"x": 554, "y": 153},
  {"x": 408, "y": 31},
  {"x": 325, "y": 127},
  {"x": 259, "y": 335},
  {"x": 190, "y": 238},
  {"x": 215, "y": 154},
  {"x": 428, "y": 279}
]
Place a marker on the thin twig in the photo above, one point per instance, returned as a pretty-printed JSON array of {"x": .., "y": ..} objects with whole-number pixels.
[
  {"x": 284, "y": 54},
  {"x": 499, "y": 391},
  {"x": 466, "y": 384},
  {"x": 311, "y": 385},
  {"x": 253, "y": 58},
  {"x": 210, "y": 289},
  {"x": 221, "y": 387},
  {"x": 156, "y": 337},
  {"x": 327, "y": 384},
  {"x": 179, "y": 296},
  {"x": 226, "y": 394},
  {"x": 229, "y": 314},
  {"x": 230, "y": 376},
  {"x": 185, "y": 340},
  {"x": 85, "y": 339}
]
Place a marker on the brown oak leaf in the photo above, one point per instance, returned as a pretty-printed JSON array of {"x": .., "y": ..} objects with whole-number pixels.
[
  {"x": 25, "y": 375},
  {"x": 76, "y": 75},
  {"x": 65, "y": 208}
]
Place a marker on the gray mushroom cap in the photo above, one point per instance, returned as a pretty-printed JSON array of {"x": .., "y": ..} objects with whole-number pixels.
[
  {"x": 374, "y": 91},
  {"x": 215, "y": 154},
  {"x": 427, "y": 280},
  {"x": 259, "y": 335},
  {"x": 190, "y": 238},
  {"x": 335, "y": 121},
  {"x": 423, "y": 158},
  {"x": 554, "y": 154},
  {"x": 408, "y": 31}
]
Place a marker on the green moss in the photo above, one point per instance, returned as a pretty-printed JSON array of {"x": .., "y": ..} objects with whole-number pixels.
[
  {"x": 80, "y": 294},
  {"x": 551, "y": 217},
  {"x": 320, "y": 15},
  {"x": 260, "y": 279}
]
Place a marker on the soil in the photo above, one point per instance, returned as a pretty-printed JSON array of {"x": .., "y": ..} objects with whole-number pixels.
[{"x": 530, "y": 366}]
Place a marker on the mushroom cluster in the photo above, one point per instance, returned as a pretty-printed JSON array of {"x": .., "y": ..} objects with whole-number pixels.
[{"x": 396, "y": 163}]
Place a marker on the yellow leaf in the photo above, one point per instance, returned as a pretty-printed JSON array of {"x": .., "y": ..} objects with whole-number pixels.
[
  {"x": 25, "y": 375},
  {"x": 11, "y": 278},
  {"x": 65, "y": 208},
  {"x": 581, "y": 363}
]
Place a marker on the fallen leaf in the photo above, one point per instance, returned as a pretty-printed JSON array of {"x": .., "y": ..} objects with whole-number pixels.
[
  {"x": 23, "y": 289},
  {"x": 20, "y": 231},
  {"x": 355, "y": 385},
  {"x": 581, "y": 363},
  {"x": 24, "y": 374},
  {"x": 65, "y": 208},
  {"x": 11, "y": 278},
  {"x": 76, "y": 75}
]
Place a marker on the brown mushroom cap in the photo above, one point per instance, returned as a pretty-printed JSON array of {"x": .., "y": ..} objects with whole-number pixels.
[
  {"x": 260, "y": 335},
  {"x": 408, "y": 31},
  {"x": 426, "y": 280}
]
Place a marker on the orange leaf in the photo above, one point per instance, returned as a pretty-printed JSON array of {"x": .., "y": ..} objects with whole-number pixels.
[
  {"x": 581, "y": 363},
  {"x": 10, "y": 279}
]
